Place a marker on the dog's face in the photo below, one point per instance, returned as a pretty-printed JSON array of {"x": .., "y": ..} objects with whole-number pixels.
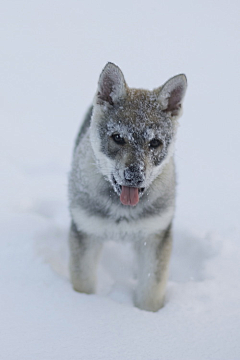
[{"x": 132, "y": 131}]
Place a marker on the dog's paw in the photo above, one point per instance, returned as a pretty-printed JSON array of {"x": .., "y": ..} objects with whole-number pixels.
[{"x": 148, "y": 302}]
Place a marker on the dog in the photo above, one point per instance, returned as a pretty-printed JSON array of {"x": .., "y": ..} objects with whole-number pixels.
[{"x": 122, "y": 181}]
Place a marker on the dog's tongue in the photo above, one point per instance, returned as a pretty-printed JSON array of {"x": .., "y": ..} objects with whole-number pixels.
[{"x": 129, "y": 196}]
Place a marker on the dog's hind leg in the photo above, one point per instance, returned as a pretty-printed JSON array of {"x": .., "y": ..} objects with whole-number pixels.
[
  {"x": 153, "y": 260},
  {"x": 84, "y": 254}
]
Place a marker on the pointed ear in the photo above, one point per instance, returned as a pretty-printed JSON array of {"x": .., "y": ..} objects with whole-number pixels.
[
  {"x": 172, "y": 93},
  {"x": 111, "y": 85}
]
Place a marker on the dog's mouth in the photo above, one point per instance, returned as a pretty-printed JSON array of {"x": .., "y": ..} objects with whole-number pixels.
[{"x": 129, "y": 195}]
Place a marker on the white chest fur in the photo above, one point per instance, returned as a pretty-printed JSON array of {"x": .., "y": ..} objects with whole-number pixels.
[{"x": 108, "y": 229}]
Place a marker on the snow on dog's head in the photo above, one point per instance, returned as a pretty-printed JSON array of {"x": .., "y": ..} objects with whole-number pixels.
[{"x": 133, "y": 131}]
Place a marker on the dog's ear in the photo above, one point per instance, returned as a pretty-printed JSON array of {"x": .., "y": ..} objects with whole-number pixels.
[
  {"x": 111, "y": 85},
  {"x": 171, "y": 95}
]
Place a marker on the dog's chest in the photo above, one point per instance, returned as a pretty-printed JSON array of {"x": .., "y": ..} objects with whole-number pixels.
[{"x": 121, "y": 228}]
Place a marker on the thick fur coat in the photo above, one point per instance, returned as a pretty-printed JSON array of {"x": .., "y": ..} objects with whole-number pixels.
[{"x": 122, "y": 181}]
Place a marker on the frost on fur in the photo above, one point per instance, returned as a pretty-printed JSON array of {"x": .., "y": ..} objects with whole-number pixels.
[
  {"x": 172, "y": 94},
  {"x": 111, "y": 85},
  {"x": 122, "y": 183}
]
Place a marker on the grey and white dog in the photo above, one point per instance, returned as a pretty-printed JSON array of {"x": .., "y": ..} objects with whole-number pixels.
[{"x": 122, "y": 181}]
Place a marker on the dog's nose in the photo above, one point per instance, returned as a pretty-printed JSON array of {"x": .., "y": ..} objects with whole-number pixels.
[{"x": 134, "y": 175}]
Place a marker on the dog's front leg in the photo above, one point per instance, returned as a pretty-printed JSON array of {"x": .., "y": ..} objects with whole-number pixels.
[
  {"x": 153, "y": 261},
  {"x": 84, "y": 253}
]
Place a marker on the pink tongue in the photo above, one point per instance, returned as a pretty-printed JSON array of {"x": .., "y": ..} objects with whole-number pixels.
[{"x": 129, "y": 196}]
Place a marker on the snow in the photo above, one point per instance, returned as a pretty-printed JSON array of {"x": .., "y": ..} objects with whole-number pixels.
[{"x": 51, "y": 56}]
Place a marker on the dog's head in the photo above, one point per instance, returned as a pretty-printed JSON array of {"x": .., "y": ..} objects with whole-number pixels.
[{"x": 133, "y": 130}]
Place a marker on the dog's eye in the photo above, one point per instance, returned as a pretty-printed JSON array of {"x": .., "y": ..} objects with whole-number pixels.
[
  {"x": 118, "y": 139},
  {"x": 155, "y": 143}
]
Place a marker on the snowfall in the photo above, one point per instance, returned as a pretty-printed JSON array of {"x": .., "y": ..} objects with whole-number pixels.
[{"x": 52, "y": 53}]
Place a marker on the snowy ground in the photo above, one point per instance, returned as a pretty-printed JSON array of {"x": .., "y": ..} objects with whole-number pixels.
[{"x": 51, "y": 56}]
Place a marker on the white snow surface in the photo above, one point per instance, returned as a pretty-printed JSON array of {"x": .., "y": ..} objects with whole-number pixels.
[{"x": 52, "y": 53}]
